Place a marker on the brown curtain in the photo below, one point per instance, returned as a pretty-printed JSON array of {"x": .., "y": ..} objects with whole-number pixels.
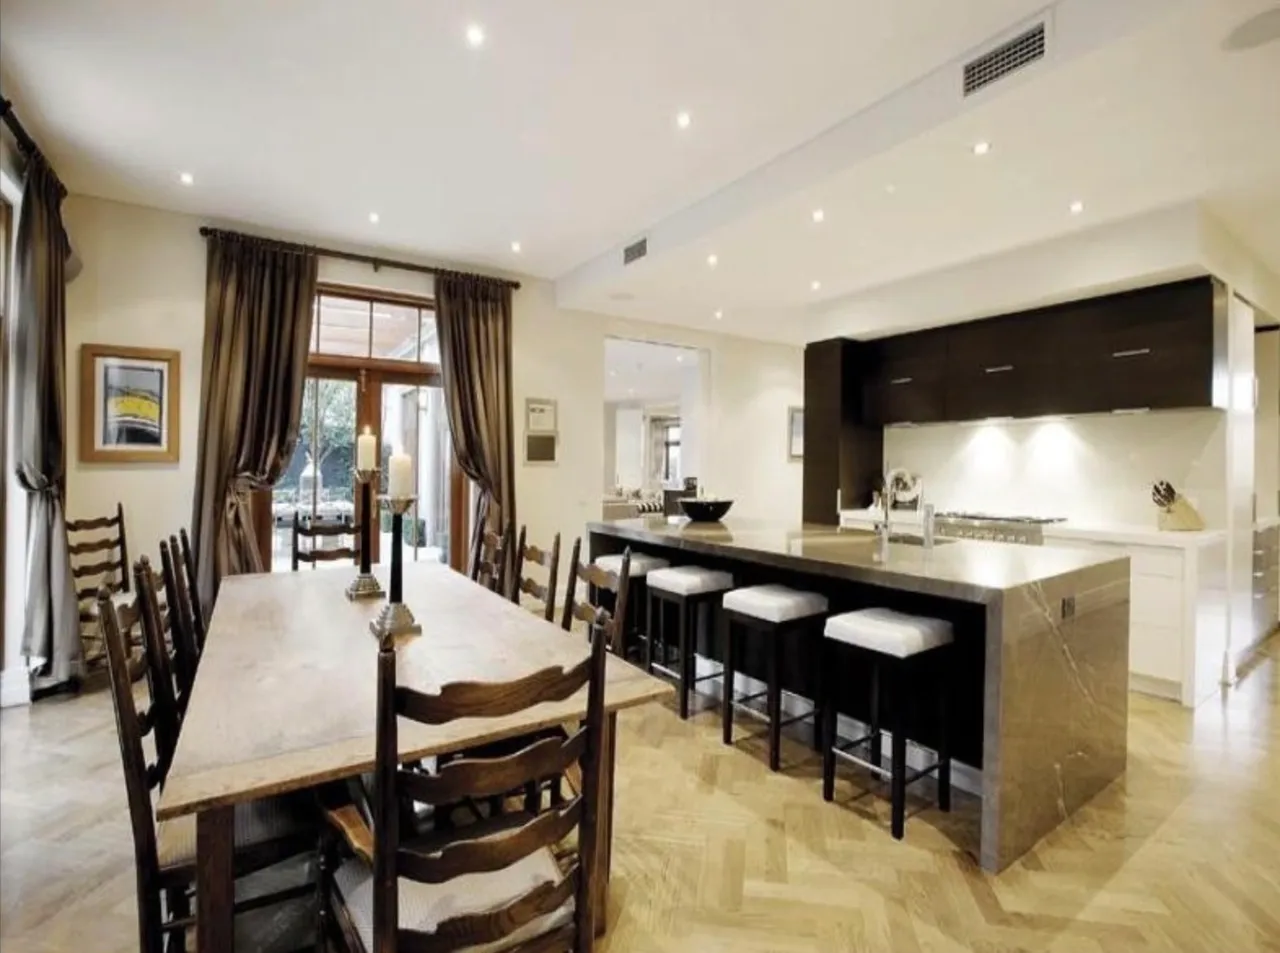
[
  {"x": 51, "y": 633},
  {"x": 259, "y": 297},
  {"x": 473, "y": 316}
]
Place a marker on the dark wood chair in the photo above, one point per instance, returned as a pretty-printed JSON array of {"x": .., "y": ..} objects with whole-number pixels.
[
  {"x": 161, "y": 652},
  {"x": 610, "y": 619},
  {"x": 99, "y": 554},
  {"x": 164, "y": 854},
  {"x": 199, "y": 622},
  {"x": 322, "y": 529},
  {"x": 509, "y": 883},
  {"x": 549, "y": 560},
  {"x": 186, "y": 650},
  {"x": 489, "y": 559}
]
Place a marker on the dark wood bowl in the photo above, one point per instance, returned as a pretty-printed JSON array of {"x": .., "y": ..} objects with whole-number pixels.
[{"x": 705, "y": 511}]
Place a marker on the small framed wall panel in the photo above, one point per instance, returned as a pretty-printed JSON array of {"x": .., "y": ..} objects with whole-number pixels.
[{"x": 128, "y": 404}]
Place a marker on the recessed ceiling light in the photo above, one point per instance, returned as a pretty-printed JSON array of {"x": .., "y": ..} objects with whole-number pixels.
[
  {"x": 1077, "y": 207},
  {"x": 186, "y": 178},
  {"x": 679, "y": 358},
  {"x": 891, "y": 188},
  {"x": 981, "y": 148},
  {"x": 712, "y": 261},
  {"x": 719, "y": 314},
  {"x": 816, "y": 285},
  {"x": 631, "y": 390},
  {"x": 683, "y": 120},
  {"x": 613, "y": 373},
  {"x": 373, "y": 217},
  {"x": 515, "y": 247},
  {"x": 475, "y": 36},
  {"x": 819, "y": 215}
]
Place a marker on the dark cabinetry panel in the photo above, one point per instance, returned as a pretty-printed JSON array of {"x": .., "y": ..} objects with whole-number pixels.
[
  {"x": 1005, "y": 367},
  {"x": 842, "y": 454},
  {"x": 905, "y": 380}
]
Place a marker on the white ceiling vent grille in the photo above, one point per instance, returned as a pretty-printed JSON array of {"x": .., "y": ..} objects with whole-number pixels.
[
  {"x": 635, "y": 251},
  {"x": 1023, "y": 50}
]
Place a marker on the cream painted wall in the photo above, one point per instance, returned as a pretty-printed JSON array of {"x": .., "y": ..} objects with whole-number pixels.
[
  {"x": 1267, "y": 425},
  {"x": 1095, "y": 469},
  {"x": 143, "y": 284}
]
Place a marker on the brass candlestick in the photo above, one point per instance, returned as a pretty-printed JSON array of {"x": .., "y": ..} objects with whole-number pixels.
[
  {"x": 365, "y": 585},
  {"x": 395, "y": 618}
]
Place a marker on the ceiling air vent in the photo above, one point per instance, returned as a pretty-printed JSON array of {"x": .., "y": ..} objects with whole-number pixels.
[
  {"x": 1023, "y": 50},
  {"x": 635, "y": 251}
]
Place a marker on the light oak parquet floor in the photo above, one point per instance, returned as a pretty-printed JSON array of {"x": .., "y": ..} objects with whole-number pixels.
[{"x": 714, "y": 854}]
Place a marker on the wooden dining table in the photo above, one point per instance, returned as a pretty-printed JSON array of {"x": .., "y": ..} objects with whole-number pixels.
[{"x": 284, "y": 700}]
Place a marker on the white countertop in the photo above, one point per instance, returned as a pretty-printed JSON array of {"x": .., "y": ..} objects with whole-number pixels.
[{"x": 1118, "y": 533}]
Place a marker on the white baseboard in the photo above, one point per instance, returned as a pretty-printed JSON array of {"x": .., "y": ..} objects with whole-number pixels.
[
  {"x": 1165, "y": 688},
  {"x": 964, "y": 777},
  {"x": 15, "y": 687}
]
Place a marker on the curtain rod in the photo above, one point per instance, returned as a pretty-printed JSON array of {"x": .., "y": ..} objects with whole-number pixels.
[
  {"x": 24, "y": 140},
  {"x": 373, "y": 260}
]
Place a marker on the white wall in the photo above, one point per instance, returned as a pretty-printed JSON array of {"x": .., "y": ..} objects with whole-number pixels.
[
  {"x": 1094, "y": 469},
  {"x": 1267, "y": 425},
  {"x": 628, "y": 446},
  {"x": 143, "y": 284}
]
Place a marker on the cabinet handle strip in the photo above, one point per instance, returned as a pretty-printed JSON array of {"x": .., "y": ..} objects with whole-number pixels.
[
  {"x": 1136, "y": 352},
  {"x": 901, "y": 380},
  {"x": 998, "y": 370}
]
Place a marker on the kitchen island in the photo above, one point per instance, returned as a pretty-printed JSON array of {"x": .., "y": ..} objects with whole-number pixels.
[{"x": 1039, "y": 687}]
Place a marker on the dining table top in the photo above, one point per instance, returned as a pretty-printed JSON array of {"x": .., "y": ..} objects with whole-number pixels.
[{"x": 285, "y": 695}]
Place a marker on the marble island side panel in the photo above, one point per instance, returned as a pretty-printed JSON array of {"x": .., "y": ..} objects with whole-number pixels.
[{"x": 1057, "y": 704}]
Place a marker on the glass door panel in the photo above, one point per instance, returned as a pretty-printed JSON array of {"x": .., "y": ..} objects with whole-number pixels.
[
  {"x": 414, "y": 422},
  {"x": 318, "y": 484}
]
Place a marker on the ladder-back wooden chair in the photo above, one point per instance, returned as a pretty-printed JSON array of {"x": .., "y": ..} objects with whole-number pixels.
[
  {"x": 99, "y": 554},
  {"x": 611, "y": 620},
  {"x": 164, "y": 855},
  {"x": 549, "y": 560},
  {"x": 199, "y": 622},
  {"x": 186, "y": 653},
  {"x": 513, "y": 883},
  {"x": 489, "y": 559},
  {"x": 323, "y": 529},
  {"x": 166, "y": 708}
]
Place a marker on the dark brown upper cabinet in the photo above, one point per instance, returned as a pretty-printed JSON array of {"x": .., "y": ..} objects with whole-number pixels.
[
  {"x": 906, "y": 378},
  {"x": 1003, "y": 367}
]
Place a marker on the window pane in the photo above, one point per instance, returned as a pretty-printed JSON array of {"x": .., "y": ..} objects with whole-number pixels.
[
  {"x": 343, "y": 327},
  {"x": 395, "y": 331},
  {"x": 429, "y": 343},
  {"x": 413, "y": 422}
]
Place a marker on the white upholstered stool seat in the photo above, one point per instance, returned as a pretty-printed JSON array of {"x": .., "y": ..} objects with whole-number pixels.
[
  {"x": 889, "y": 632},
  {"x": 689, "y": 580},
  {"x": 775, "y": 603},
  {"x": 641, "y": 564}
]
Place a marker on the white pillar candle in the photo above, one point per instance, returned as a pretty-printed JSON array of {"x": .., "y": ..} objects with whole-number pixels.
[
  {"x": 400, "y": 476},
  {"x": 367, "y": 451}
]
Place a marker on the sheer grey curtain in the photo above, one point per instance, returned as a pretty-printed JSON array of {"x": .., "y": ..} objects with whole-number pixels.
[
  {"x": 473, "y": 315},
  {"x": 51, "y": 634},
  {"x": 259, "y": 296}
]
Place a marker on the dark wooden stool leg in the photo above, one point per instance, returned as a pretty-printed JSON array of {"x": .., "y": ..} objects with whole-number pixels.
[
  {"x": 877, "y": 749},
  {"x": 689, "y": 654},
  {"x": 819, "y": 700},
  {"x": 827, "y": 656},
  {"x": 944, "y": 743},
  {"x": 898, "y": 767},
  {"x": 775, "y": 702},
  {"x": 730, "y": 670},
  {"x": 683, "y": 637},
  {"x": 650, "y": 633}
]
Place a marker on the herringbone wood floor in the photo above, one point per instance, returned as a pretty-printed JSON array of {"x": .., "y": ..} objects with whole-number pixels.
[{"x": 713, "y": 853}]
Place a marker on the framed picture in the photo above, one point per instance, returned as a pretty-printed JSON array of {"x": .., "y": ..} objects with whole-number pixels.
[
  {"x": 128, "y": 404},
  {"x": 795, "y": 433},
  {"x": 539, "y": 415}
]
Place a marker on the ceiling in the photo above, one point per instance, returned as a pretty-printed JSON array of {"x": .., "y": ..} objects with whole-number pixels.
[
  {"x": 648, "y": 373},
  {"x": 559, "y": 132}
]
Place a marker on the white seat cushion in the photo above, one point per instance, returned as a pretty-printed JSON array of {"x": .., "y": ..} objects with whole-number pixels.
[
  {"x": 775, "y": 603},
  {"x": 889, "y": 632},
  {"x": 689, "y": 580},
  {"x": 257, "y": 822},
  {"x": 425, "y": 906},
  {"x": 641, "y": 564}
]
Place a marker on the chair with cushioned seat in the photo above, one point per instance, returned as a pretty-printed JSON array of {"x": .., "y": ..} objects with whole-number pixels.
[
  {"x": 687, "y": 589},
  {"x": 515, "y": 882},
  {"x": 781, "y": 615},
  {"x": 266, "y": 832},
  {"x": 898, "y": 645},
  {"x": 635, "y": 633}
]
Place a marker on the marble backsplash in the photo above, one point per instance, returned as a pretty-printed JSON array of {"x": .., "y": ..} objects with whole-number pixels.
[{"x": 1095, "y": 469}]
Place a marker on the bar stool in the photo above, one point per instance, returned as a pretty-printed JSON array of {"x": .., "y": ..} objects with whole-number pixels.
[
  {"x": 641, "y": 565},
  {"x": 899, "y": 645},
  {"x": 776, "y": 612},
  {"x": 688, "y": 589}
]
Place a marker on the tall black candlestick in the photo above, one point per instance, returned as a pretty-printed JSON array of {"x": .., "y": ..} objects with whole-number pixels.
[
  {"x": 365, "y": 585},
  {"x": 367, "y": 516},
  {"x": 397, "y": 565}
]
